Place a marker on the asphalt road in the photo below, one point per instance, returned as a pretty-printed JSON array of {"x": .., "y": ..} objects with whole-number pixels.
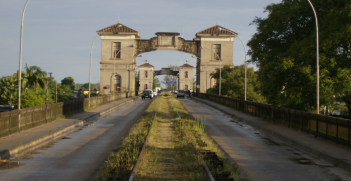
[
  {"x": 259, "y": 156},
  {"x": 79, "y": 155}
]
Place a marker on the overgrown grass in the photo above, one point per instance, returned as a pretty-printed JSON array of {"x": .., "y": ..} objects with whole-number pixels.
[
  {"x": 204, "y": 143},
  {"x": 169, "y": 154},
  {"x": 121, "y": 161}
]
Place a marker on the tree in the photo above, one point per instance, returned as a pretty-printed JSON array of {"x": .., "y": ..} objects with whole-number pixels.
[
  {"x": 233, "y": 83},
  {"x": 69, "y": 81},
  {"x": 284, "y": 49},
  {"x": 157, "y": 82},
  {"x": 8, "y": 90},
  {"x": 35, "y": 76},
  {"x": 64, "y": 93}
]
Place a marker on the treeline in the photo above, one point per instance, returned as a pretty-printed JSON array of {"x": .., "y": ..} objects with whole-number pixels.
[
  {"x": 284, "y": 50},
  {"x": 35, "y": 83}
]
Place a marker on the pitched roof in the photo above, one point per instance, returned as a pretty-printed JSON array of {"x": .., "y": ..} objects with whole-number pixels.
[
  {"x": 118, "y": 29},
  {"x": 186, "y": 66},
  {"x": 146, "y": 65},
  {"x": 217, "y": 30}
]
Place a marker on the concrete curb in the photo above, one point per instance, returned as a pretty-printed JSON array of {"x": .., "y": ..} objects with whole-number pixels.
[
  {"x": 32, "y": 144},
  {"x": 294, "y": 143}
]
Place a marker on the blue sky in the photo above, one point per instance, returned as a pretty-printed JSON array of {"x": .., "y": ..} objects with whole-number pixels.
[{"x": 57, "y": 35}]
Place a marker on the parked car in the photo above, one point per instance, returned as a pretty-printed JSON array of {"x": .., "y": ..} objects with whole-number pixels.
[
  {"x": 147, "y": 93},
  {"x": 181, "y": 93},
  {"x": 175, "y": 92}
]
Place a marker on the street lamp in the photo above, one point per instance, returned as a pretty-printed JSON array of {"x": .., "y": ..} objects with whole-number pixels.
[
  {"x": 245, "y": 62},
  {"x": 205, "y": 66},
  {"x": 20, "y": 64},
  {"x": 315, "y": 15},
  {"x": 220, "y": 67},
  {"x": 128, "y": 73}
]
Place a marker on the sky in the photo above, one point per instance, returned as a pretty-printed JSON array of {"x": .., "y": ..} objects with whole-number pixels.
[{"x": 57, "y": 35}]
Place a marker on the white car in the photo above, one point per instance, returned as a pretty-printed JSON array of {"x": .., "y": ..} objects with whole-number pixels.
[{"x": 155, "y": 92}]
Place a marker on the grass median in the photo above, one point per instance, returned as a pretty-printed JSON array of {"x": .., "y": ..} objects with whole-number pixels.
[{"x": 169, "y": 153}]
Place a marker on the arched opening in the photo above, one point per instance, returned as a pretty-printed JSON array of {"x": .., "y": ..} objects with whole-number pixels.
[{"x": 117, "y": 85}]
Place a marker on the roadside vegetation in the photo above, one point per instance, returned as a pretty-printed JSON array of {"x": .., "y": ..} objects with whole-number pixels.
[{"x": 169, "y": 153}]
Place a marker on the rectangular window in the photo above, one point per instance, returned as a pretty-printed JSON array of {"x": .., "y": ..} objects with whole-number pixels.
[
  {"x": 116, "y": 49},
  {"x": 216, "y": 51}
]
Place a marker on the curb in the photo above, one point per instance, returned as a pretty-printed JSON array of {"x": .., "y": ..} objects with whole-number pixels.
[
  {"x": 36, "y": 142},
  {"x": 291, "y": 142}
]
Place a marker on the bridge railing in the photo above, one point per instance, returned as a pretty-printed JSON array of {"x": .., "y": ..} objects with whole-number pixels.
[
  {"x": 333, "y": 128},
  {"x": 35, "y": 116}
]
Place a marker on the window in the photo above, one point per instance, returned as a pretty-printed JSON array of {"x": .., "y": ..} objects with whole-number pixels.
[
  {"x": 116, "y": 49},
  {"x": 186, "y": 74},
  {"x": 117, "y": 83},
  {"x": 146, "y": 73},
  {"x": 186, "y": 87},
  {"x": 145, "y": 86},
  {"x": 216, "y": 51}
]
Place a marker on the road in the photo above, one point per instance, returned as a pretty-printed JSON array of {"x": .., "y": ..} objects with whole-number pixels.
[
  {"x": 259, "y": 156},
  {"x": 79, "y": 155}
]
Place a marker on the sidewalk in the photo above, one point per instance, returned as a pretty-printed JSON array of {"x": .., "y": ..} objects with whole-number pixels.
[
  {"x": 18, "y": 142},
  {"x": 338, "y": 155}
]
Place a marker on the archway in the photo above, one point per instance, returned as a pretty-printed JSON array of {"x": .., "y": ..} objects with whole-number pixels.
[{"x": 214, "y": 39}]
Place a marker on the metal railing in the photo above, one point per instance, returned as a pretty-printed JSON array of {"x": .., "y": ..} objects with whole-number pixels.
[
  {"x": 35, "y": 116},
  {"x": 333, "y": 128}
]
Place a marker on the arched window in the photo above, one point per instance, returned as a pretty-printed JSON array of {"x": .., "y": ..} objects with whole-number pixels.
[
  {"x": 145, "y": 86},
  {"x": 186, "y": 87},
  {"x": 146, "y": 73},
  {"x": 117, "y": 83},
  {"x": 186, "y": 74}
]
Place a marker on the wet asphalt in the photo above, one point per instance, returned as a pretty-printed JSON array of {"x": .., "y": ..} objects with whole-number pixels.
[
  {"x": 79, "y": 155},
  {"x": 259, "y": 156}
]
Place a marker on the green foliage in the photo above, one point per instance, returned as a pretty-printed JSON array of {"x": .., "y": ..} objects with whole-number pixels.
[
  {"x": 157, "y": 82},
  {"x": 70, "y": 82},
  {"x": 7, "y": 88},
  {"x": 233, "y": 83},
  {"x": 32, "y": 98},
  {"x": 284, "y": 49},
  {"x": 35, "y": 76},
  {"x": 64, "y": 93}
]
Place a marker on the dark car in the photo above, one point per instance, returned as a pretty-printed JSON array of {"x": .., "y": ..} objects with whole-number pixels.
[
  {"x": 148, "y": 93},
  {"x": 181, "y": 93}
]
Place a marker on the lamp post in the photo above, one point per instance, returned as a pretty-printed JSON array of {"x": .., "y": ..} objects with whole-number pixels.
[
  {"x": 114, "y": 66},
  {"x": 220, "y": 67},
  {"x": 20, "y": 63},
  {"x": 205, "y": 66},
  {"x": 317, "y": 42},
  {"x": 128, "y": 73},
  {"x": 245, "y": 62}
]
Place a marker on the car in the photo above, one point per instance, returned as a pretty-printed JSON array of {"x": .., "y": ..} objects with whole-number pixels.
[
  {"x": 147, "y": 93},
  {"x": 175, "y": 92},
  {"x": 181, "y": 93}
]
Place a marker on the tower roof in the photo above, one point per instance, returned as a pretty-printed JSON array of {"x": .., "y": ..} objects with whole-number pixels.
[
  {"x": 186, "y": 66},
  {"x": 117, "y": 29},
  {"x": 217, "y": 30},
  {"x": 146, "y": 65}
]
